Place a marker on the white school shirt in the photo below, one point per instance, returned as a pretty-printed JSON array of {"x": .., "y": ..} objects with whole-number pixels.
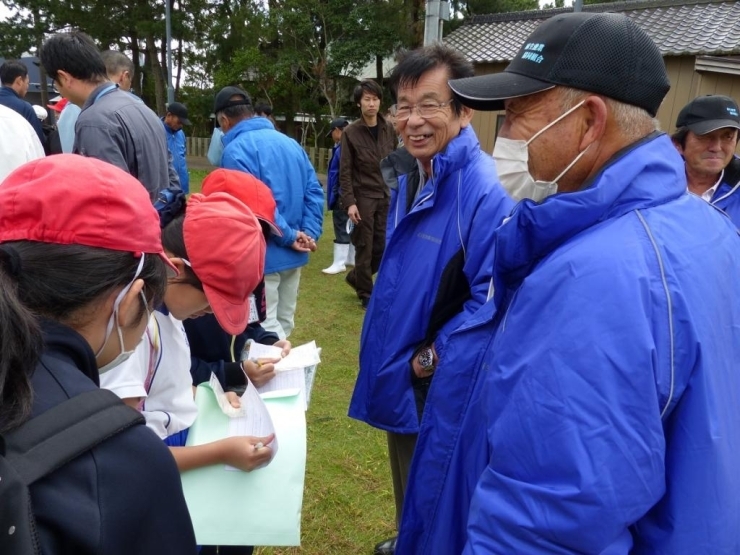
[
  {"x": 19, "y": 143},
  {"x": 158, "y": 371}
]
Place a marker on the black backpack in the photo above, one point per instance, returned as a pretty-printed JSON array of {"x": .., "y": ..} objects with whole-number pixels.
[{"x": 44, "y": 444}]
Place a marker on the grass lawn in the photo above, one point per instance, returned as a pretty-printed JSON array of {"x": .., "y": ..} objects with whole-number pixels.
[{"x": 348, "y": 499}]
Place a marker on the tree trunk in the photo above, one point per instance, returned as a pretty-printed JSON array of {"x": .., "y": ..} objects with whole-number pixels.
[{"x": 156, "y": 67}]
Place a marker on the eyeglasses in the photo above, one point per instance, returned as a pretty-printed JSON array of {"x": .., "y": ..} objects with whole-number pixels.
[{"x": 426, "y": 109}]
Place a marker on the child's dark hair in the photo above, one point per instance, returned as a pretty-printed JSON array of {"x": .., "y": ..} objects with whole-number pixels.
[{"x": 45, "y": 280}]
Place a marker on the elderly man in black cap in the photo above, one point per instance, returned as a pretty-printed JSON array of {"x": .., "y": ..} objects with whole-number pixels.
[
  {"x": 253, "y": 145},
  {"x": 603, "y": 413},
  {"x": 344, "y": 251},
  {"x": 706, "y": 137}
]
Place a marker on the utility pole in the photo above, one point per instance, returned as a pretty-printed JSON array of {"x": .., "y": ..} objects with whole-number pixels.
[
  {"x": 168, "y": 32},
  {"x": 437, "y": 12}
]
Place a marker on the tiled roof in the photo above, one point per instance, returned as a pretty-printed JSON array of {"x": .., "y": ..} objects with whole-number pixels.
[{"x": 702, "y": 27}]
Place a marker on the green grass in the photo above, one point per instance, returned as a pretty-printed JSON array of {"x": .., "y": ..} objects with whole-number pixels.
[{"x": 348, "y": 499}]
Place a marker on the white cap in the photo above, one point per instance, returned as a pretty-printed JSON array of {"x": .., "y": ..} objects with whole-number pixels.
[{"x": 41, "y": 112}]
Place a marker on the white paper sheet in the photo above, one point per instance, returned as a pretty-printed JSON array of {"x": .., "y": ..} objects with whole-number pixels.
[
  {"x": 300, "y": 357},
  {"x": 254, "y": 421}
]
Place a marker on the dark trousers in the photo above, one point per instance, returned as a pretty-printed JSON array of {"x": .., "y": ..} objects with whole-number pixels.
[
  {"x": 340, "y": 218},
  {"x": 368, "y": 237},
  {"x": 400, "y": 451}
]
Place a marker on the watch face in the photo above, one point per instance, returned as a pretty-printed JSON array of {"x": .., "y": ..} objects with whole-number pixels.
[{"x": 426, "y": 358}]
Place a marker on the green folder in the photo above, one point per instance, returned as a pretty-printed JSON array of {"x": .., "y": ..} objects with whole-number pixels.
[{"x": 262, "y": 507}]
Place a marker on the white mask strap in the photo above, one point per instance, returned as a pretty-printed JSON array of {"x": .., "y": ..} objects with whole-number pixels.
[
  {"x": 117, "y": 302},
  {"x": 553, "y": 122},
  {"x": 569, "y": 166}
]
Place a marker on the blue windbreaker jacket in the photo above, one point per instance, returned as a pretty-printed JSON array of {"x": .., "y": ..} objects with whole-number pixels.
[
  {"x": 452, "y": 449},
  {"x": 610, "y": 389},
  {"x": 177, "y": 147},
  {"x": 254, "y": 146},
  {"x": 443, "y": 241},
  {"x": 332, "y": 178},
  {"x": 727, "y": 195}
]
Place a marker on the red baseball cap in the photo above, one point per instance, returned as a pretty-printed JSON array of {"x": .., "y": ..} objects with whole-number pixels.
[
  {"x": 226, "y": 249},
  {"x": 248, "y": 189},
  {"x": 68, "y": 199},
  {"x": 59, "y": 106}
]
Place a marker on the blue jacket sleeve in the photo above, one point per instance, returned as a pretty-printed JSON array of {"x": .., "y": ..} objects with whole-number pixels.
[
  {"x": 312, "y": 221},
  {"x": 573, "y": 416}
]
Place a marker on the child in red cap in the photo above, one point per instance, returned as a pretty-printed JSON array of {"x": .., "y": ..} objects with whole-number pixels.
[
  {"x": 81, "y": 265},
  {"x": 216, "y": 243},
  {"x": 213, "y": 349}
]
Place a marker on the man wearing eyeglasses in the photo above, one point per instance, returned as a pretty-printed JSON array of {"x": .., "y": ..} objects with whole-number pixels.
[
  {"x": 706, "y": 137},
  {"x": 446, "y": 202},
  {"x": 365, "y": 143}
]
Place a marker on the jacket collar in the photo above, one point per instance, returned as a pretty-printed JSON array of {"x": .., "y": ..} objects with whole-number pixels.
[
  {"x": 647, "y": 173},
  {"x": 458, "y": 153},
  {"x": 65, "y": 343},
  {"x": 250, "y": 124},
  {"x": 10, "y": 90}
]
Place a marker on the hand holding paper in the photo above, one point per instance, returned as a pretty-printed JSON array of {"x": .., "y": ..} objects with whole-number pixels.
[{"x": 247, "y": 452}]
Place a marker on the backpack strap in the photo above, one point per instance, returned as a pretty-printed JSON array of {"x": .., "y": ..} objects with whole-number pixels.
[{"x": 49, "y": 441}]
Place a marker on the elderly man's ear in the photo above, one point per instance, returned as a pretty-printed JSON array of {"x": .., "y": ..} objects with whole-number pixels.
[{"x": 594, "y": 123}]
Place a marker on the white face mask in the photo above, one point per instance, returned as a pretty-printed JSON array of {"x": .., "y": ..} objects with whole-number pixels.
[
  {"x": 124, "y": 355},
  {"x": 512, "y": 158}
]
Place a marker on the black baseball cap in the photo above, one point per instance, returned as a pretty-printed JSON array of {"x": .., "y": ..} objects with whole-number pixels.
[
  {"x": 602, "y": 53},
  {"x": 179, "y": 110},
  {"x": 223, "y": 99},
  {"x": 708, "y": 113},
  {"x": 339, "y": 123}
]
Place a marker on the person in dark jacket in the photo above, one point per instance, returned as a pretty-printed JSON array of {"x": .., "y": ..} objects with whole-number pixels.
[
  {"x": 14, "y": 80},
  {"x": 344, "y": 251},
  {"x": 363, "y": 192},
  {"x": 445, "y": 206},
  {"x": 100, "y": 246},
  {"x": 706, "y": 137}
]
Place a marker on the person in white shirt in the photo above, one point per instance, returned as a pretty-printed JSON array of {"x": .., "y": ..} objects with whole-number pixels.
[{"x": 18, "y": 141}]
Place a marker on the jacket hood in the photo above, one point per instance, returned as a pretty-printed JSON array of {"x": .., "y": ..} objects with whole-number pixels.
[{"x": 646, "y": 173}]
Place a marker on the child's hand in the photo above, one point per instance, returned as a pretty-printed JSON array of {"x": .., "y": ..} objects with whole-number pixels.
[
  {"x": 284, "y": 344},
  {"x": 260, "y": 372},
  {"x": 247, "y": 453},
  {"x": 234, "y": 399}
]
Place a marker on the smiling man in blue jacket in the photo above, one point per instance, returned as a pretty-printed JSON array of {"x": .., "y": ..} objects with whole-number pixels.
[
  {"x": 253, "y": 145},
  {"x": 706, "y": 137},
  {"x": 606, "y": 402},
  {"x": 445, "y": 205}
]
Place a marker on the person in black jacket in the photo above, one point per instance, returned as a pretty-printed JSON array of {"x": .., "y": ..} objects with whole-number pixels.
[{"x": 80, "y": 270}]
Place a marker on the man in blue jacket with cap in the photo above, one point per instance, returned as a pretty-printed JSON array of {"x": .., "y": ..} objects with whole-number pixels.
[
  {"x": 603, "y": 417},
  {"x": 253, "y": 145},
  {"x": 706, "y": 138}
]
